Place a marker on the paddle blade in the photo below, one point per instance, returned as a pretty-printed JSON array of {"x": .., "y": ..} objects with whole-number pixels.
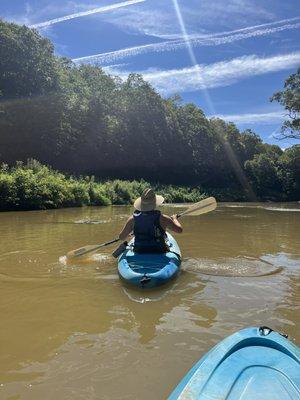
[
  {"x": 89, "y": 249},
  {"x": 82, "y": 251},
  {"x": 202, "y": 207}
]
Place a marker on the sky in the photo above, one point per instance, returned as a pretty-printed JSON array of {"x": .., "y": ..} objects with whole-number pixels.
[{"x": 226, "y": 56}]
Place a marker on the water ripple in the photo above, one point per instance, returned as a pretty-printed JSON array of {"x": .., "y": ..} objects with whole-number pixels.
[{"x": 232, "y": 267}]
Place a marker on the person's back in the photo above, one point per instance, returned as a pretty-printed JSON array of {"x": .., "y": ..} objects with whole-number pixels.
[
  {"x": 149, "y": 236},
  {"x": 149, "y": 225}
]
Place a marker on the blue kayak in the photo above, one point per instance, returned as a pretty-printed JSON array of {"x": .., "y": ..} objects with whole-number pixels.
[
  {"x": 150, "y": 270},
  {"x": 252, "y": 364}
]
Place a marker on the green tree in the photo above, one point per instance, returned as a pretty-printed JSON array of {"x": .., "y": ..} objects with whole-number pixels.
[
  {"x": 32, "y": 83},
  {"x": 196, "y": 144},
  {"x": 289, "y": 172},
  {"x": 289, "y": 97},
  {"x": 28, "y": 66},
  {"x": 141, "y": 135},
  {"x": 263, "y": 174},
  {"x": 228, "y": 155},
  {"x": 252, "y": 144}
]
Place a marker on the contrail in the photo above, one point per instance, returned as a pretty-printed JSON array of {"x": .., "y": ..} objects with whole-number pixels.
[
  {"x": 249, "y": 28},
  {"x": 196, "y": 40},
  {"x": 263, "y": 118},
  {"x": 84, "y": 13}
]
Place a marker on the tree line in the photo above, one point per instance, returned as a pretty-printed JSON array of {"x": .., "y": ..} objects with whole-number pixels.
[{"x": 82, "y": 121}]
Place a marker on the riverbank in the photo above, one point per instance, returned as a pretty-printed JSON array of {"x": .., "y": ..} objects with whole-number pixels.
[{"x": 38, "y": 187}]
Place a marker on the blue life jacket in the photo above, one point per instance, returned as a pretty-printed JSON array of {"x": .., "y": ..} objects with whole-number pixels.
[{"x": 149, "y": 236}]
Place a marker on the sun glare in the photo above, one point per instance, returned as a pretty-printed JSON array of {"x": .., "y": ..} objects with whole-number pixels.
[{"x": 228, "y": 149}]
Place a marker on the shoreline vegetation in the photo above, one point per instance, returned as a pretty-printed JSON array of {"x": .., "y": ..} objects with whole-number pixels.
[
  {"x": 33, "y": 186},
  {"x": 109, "y": 138}
]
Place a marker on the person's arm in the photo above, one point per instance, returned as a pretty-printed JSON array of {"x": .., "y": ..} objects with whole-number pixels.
[
  {"x": 171, "y": 223},
  {"x": 127, "y": 229}
]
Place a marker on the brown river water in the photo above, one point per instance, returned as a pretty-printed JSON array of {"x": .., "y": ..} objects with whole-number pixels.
[{"x": 75, "y": 331}]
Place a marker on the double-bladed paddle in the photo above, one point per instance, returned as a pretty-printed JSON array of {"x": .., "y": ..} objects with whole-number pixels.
[{"x": 202, "y": 207}]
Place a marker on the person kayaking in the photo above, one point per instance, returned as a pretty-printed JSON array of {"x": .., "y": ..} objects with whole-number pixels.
[{"x": 149, "y": 225}]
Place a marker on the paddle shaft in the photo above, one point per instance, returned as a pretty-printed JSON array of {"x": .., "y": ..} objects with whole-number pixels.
[
  {"x": 102, "y": 245},
  {"x": 108, "y": 243}
]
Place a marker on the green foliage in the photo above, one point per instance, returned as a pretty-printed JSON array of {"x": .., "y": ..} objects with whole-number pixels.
[
  {"x": 28, "y": 66},
  {"x": 124, "y": 192},
  {"x": 173, "y": 194},
  {"x": 251, "y": 143},
  {"x": 289, "y": 97},
  {"x": 262, "y": 171},
  {"x": 34, "y": 186},
  {"x": 98, "y": 196},
  {"x": 84, "y": 122},
  {"x": 8, "y": 191},
  {"x": 289, "y": 172}
]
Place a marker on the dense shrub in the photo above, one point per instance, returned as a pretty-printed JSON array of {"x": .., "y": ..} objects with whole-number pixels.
[{"x": 35, "y": 186}]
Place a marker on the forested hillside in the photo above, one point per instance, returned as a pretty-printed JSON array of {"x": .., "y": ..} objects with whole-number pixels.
[{"x": 82, "y": 121}]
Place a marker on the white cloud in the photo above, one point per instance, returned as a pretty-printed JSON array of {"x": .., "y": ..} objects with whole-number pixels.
[
  {"x": 151, "y": 21},
  {"x": 262, "y": 118},
  {"x": 218, "y": 74},
  {"x": 158, "y": 18},
  {"x": 195, "y": 40},
  {"x": 85, "y": 13}
]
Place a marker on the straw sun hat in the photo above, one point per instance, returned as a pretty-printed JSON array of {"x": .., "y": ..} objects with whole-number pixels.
[{"x": 148, "y": 201}]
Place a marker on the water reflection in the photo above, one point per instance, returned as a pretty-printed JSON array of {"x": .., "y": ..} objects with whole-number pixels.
[{"x": 170, "y": 308}]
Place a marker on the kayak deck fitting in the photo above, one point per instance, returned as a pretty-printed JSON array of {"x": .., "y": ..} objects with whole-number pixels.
[
  {"x": 252, "y": 364},
  {"x": 150, "y": 270}
]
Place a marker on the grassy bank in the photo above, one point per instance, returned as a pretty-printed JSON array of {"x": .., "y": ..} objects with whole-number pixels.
[{"x": 37, "y": 187}]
